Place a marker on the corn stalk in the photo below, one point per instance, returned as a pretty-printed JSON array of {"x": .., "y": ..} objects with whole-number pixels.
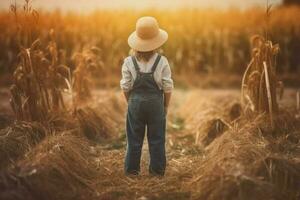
[
  {"x": 269, "y": 94},
  {"x": 259, "y": 84}
]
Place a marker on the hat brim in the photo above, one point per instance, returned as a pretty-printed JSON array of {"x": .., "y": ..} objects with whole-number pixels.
[{"x": 142, "y": 45}]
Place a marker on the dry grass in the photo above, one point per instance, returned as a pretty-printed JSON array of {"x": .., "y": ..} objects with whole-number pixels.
[
  {"x": 58, "y": 168},
  {"x": 63, "y": 158},
  {"x": 94, "y": 126},
  {"x": 247, "y": 158},
  {"x": 208, "y": 123},
  {"x": 18, "y": 139},
  {"x": 245, "y": 163},
  {"x": 244, "y": 158},
  {"x": 103, "y": 119},
  {"x": 11, "y": 189}
]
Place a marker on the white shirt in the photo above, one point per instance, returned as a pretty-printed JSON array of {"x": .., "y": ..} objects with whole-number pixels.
[{"x": 162, "y": 74}]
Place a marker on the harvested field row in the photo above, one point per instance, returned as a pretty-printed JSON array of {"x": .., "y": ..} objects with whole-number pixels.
[
  {"x": 250, "y": 160},
  {"x": 244, "y": 158},
  {"x": 35, "y": 158},
  {"x": 103, "y": 121}
]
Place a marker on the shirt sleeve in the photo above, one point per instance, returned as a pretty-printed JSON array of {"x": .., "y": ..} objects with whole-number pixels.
[
  {"x": 167, "y": 82},
  {"x": 126, "y": 81}
]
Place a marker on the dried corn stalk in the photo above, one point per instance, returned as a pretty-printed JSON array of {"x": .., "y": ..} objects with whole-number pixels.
[
  {"x": 38, "y": 82},
  {"x": 86, "y": 63},
  {"x": 39, "y": 78},
  {"x": 260, "y": 84}
]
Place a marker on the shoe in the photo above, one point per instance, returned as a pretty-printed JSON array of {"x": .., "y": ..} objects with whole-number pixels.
[
  {"x": 156, "y": 173},
  {"x": 133, "y": 173}
]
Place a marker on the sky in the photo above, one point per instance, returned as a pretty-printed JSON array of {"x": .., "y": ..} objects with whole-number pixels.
[{"x": 90, "y": 5}]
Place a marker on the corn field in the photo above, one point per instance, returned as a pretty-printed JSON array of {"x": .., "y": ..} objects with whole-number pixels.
[{"x": 200, "y": 40}]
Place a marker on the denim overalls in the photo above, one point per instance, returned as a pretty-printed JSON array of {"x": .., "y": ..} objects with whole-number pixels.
[{"x": 145, "y": 108}]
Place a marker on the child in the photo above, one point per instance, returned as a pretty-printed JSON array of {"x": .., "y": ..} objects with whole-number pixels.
[{"x": 147, "y": 86}]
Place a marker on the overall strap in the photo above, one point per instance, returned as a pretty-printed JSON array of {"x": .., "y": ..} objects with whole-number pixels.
[
  {"x": 155, "y": 63},
  {"x": 136, "y": 66}
]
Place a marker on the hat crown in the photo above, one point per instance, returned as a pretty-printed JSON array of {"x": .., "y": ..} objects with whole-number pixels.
[{"x": 147, "y": 28}]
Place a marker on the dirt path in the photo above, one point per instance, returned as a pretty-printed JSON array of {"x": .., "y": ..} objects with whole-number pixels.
[
  {"x": 113, "y": 184},
  {"x": 181, "y": 155}
]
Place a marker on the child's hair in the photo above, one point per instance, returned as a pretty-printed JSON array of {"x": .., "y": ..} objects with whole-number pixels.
[{"x": 145, "y": 56}]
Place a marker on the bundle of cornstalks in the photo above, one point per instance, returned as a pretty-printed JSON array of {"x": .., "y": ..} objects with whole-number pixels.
[
  {"x": 86, "y": 63},
  {"x": 38, "y": 82},
  {"x": 40, "y": 76},
  {"x": 260, "y": 84}
]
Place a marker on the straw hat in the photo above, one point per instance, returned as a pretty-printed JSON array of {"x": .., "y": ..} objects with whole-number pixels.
[{"x": 147, "y": 36}]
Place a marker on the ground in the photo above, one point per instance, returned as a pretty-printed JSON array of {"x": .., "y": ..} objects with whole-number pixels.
[
  {"x": 183, "y": 154},
  {"x": 189, "y": 110}
]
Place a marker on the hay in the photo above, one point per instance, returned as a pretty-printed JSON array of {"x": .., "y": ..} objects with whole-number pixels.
[
  {"x": 58, "y": 169},
  {"x": 111, "y": 104},
  {"x": 5, "y": 120},
  {"x": 233, "y": 187},
  {"x": 214, "y": 129},
  {"x": 59, "y": 122},
  {"x": 209, "y": 118},
  {"x": 280, "y": 170},
  {"x": 15, "y": 140},
  {"x": 244, "y": 157},
  {"x": 242, "y": 163},
  {"x": 117, "y": 108},
  {"x": 104, "y": 119},
  {"x": 92, "y": 125},
  {"x": 235, "y": 111},
  {"x": 11, "y": 189}
]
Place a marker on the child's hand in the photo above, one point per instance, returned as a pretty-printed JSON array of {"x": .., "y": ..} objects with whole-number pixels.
[{"x": 166, "y": 110}]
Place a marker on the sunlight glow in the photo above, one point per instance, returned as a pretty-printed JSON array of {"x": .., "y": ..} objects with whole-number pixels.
[{"x": 90, "y": 5}]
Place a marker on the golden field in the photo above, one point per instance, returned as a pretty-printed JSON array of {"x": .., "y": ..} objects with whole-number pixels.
[
  {"x": 62, "y": 120},
  {"x": 200, "y": 41}
]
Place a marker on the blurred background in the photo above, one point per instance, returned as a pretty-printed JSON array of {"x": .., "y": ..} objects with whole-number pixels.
[{"x": 209, "y": 41}]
